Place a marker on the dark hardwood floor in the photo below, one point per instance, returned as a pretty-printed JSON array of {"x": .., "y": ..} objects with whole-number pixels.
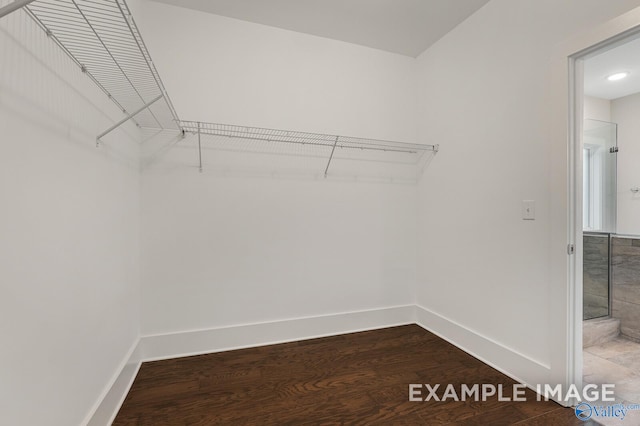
[{"x": 353, "y": 379}]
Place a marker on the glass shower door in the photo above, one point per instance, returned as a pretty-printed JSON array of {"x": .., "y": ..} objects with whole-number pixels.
[
  {"x": 599, "y": 214},
  {"x": 599, "y": 176}
]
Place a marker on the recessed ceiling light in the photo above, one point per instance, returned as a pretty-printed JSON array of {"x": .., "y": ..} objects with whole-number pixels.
[{"x": 617, "y": 76}]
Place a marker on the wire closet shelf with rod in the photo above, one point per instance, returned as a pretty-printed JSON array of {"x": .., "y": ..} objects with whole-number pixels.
[
  {"x": 102, "y": 38},
  {"x": 323, "y": 146}
]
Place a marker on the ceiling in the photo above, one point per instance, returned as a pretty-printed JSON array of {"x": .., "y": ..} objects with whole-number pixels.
[
  {"x": 407, "y": 27},
  {"x": 623, "y": 58}
]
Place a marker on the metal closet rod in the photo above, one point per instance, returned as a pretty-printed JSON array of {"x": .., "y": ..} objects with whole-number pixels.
[
  {"x": 127, "y": 118},
  {"x": 12, "y": 7}
]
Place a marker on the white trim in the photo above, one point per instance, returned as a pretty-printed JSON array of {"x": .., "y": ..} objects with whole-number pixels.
[
  {"x": 250, "y": 324},
  {"x": 197, "y": 342},
  {"x": 107, "y": 405},
  {"x": 519, "y": 367},
  {"x": 114, "y": 400},
  {"x": 574, "y": 220}
]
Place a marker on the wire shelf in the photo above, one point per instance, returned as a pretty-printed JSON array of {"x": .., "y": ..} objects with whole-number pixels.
[
  {"x": 302, "y": 138},
  {"x": 102, "y": 38},
  {"x": 288, "y": 142}
]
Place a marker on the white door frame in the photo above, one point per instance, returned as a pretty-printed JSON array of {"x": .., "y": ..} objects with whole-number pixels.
[{"x": 575, "y": 153}]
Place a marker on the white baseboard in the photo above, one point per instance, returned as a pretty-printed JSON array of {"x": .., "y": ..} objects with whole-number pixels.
[
  {"x": 174, "y": 345},
  {"x": 114, "y": 394},
  {"x": 519, "y": 367}
]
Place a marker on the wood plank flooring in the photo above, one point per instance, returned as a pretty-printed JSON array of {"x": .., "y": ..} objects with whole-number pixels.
[{"x": 352, "y": 379}]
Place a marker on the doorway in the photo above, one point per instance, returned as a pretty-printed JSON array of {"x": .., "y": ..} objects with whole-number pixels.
[{"x": 606, "y": 152}]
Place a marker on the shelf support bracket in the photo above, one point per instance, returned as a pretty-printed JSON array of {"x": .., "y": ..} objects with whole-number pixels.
[
  {"x": 326, "y": 170},
  {"x": 199, "y": 148},
  {"x": 127, "y": 118},
  {"x": 12, "y": 7}
]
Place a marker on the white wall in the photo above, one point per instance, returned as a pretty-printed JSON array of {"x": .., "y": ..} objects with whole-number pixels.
[
  {"x": 221, "y": 251},
  {"x": 69, "y": 267},
  {"x": 493, "y": 93},
  {"x": 223, "y": 70},
  {"x": 597, "y": 109},
  {"x": 625, "y": 112},
  {"x": 224, "y": 248}
]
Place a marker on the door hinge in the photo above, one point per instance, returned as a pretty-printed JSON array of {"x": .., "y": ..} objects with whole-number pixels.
[
  {"x": 571, "y": 249},
  {"x": 613, "y": 150}
]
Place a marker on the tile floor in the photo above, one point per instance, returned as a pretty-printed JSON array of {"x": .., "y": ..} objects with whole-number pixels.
[{"x": 618, "y": 362}]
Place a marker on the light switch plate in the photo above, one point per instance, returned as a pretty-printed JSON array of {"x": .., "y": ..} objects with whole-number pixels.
[{"x": 528, "y": 210}]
